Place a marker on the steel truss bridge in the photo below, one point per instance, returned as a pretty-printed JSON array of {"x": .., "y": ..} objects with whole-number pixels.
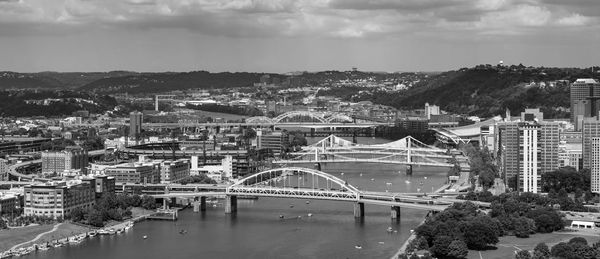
[
  {"x": 304, "y": 183},
  {"x": 305, "y": 119},
  {"x": 406, "y": 151}
]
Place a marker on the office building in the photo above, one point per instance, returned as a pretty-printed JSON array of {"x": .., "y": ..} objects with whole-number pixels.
[
  {"x": 173, "y": 171},
  {"x": 103, "y": 184},
  {"x": 66, "y": 160},
  {"x": 144, "y": 173},
  {"x": 3, "y": 169},
  {"x": 273, "y": 142},
  {"x": 58, "y": 199},
  {"x": 585, "y": 98},
  {"x": 9, "y": 203},
  {"x": 590, "y": 136},
  {"x": 135, "y": 124},
  {"x": 431, "y": 110},
  {"x": 528, "y": 149}
]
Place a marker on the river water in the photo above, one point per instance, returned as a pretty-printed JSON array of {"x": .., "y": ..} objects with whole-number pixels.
[{"x": 258, "y": 232}]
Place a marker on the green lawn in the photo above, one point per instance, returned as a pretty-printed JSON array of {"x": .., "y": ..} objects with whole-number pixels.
[
  {"x": 65, "y": 230},
  {"x": 509, "y": 244},
  {"x": 11, "y": 237}
]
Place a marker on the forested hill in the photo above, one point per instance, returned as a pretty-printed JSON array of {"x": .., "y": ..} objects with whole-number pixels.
[
  {"x": 157, "y": 82},
  {"x": 488, "y": 90},
  {"x": 53, "y": 80}
]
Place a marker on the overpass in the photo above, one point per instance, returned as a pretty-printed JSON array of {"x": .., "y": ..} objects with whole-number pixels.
[
  {"x": 13, "y": 169},
  {"x": 407, "y": 151},
  {"x": 310, "y": 184}
]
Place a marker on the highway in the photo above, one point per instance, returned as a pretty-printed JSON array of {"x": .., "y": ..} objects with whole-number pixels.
[{"x": 14, "y": 172}]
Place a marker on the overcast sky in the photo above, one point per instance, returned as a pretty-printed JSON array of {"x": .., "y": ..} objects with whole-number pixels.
[{"x": 283, "y": 36}]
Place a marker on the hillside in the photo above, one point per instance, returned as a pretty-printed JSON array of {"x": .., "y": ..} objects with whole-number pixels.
[
  {"x": 53, "y": 80},
  {"x": 162, "y": 82},
  {"x": 486, "y": 91}
]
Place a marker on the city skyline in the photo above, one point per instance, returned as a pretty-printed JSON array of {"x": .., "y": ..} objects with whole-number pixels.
[{"x": 286, "y": 36}]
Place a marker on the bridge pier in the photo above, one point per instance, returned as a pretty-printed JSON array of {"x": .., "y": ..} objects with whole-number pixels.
[
  {"x": 203, "y": 203},
  {"x": 359, "y": 210},
  {"x": 165, "y": 203},
  {"x": 395, "y": 213},
  {"x": 230, "y": 204}
]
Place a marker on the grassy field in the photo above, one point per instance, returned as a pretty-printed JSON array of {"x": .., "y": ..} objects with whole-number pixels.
[
  {"x": 11, "y": 237},
  {"x": 509, "y": 244},
  {"x": 65, "y": 230}
]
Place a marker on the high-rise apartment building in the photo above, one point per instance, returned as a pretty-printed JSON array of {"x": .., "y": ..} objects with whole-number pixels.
[
  {"x": 585, "y": 98},
  {"x": 66, "y": 160},
  {"x": 135, "y": 124},
  {"x": 173, "y": 171},
  {"x": 528, "y": 149},
  {"x": 590, "y": 136},
  {"x": 272, "y": 141}
]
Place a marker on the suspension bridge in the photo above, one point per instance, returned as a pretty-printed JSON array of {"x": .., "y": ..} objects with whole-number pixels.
[{"x": 407, "y": 151}]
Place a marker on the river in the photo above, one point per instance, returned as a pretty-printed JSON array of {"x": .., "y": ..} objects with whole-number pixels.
[{"x": 258, "y": 232}]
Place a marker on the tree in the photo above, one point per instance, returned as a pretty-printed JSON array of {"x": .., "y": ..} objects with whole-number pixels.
[
  {"x": 148, "y": 202},
  {"x": 562, "y": 250},
  {"x": 3, "y": 224},
  {"x": 521, "y": 227},
  {"x": 441, "y": 246},
  {"x": 523, "y": 254},
  {"x": 458, "y": 249},
  {"x": 95, "y": 218},
  {"x": 480, "y": 235},
  {"x": 578, "y": 240},
  {"x": 541, "y": 251},
  {"x": 77, "y": 214}
]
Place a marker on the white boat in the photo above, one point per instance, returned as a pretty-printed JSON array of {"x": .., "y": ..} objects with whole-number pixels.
[
  {"x": 120, "y": 230},
  {"x": 407, "y": 181},
  {"x": 389, "y": 229},
  {"x": 145, "y": 237},
  {"x": 358, "y": 247},
  {"x": 111, "y": 231},
  {"x": 93, "y": 234},
  {"x": 310, "y": 214},
  {"x": 102, "y": 232}
]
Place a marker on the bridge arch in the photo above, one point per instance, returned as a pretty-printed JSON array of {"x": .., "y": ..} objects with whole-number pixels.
[
  {"x": 260, "y": 119},
  {"x": 279, "y": 183},
  {"x": 292, "y": 114}
]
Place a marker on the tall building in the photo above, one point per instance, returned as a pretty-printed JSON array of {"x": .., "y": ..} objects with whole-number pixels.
[
  {"x": 590, "y": 136},
  {"x": 528, "y": 149},
  {"x": 270, "y": 141},
  {"x": 66, "y": 160},
  {"x": 3, "y": 170},
  {"x": 585, "y": 98},
  {"x": 57, "y": 200},
  {"x": 135, "y": 124}
]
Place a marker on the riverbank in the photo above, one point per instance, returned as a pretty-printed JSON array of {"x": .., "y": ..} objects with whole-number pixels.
[
  {"x": 16, "y": 238},
  {"x": 412, "y": 236}
]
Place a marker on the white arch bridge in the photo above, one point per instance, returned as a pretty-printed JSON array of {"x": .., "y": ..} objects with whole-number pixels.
[
  {"x": 310, "y": 184},
  {"x": 407, "y": 151}
]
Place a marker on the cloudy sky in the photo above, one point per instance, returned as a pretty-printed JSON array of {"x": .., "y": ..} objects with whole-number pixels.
[{"x": 283, "y": 36}]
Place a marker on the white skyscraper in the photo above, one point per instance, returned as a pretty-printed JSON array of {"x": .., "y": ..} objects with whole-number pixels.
[
  {"x": 595, "y": 165},
  {"x": 529, "y": 169}
]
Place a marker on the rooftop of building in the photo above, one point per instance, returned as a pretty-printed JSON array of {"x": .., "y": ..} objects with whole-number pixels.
[{"x": 586, "y": 81}]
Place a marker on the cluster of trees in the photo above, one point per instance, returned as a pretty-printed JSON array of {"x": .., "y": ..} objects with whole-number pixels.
[
  {"x": 297, "y": 140},
  {"x": 482, "y": 164},
  {"x": 569, "y": 180},
  {"x": 111, "y": 207},
  {"x": 201, "y": 178},
  {"x": 577, "y": 247},
  {"x": 463, "y": 225},
  {"x": 450, "y": 232}
]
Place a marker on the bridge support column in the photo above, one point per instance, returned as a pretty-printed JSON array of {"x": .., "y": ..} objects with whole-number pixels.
[
  {"x": 395, "y": 213},
  {"x": 196, "y": 205},
  {"x": 203, "y": 203},
  {"x": 230, "y": 204},
  {"x": 359, "y": 210},
  {"x": 165, "y": 203}
]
